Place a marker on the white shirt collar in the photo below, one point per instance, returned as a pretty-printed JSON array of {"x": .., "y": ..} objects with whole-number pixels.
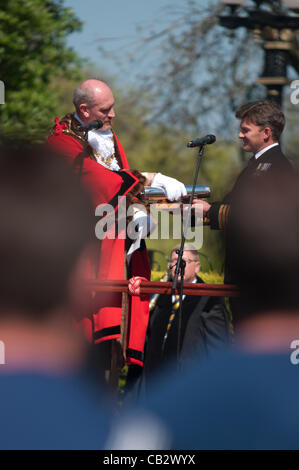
[
  {"x": 258, "y": 154},
  {"x": 184, "y": 295}
]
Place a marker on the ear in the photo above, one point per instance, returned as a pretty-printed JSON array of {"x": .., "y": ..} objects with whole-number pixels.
[
  {"x": 83, "y": 108},
  {"x": 197, "y": 267},
  {"x": 267, "y": 133}
]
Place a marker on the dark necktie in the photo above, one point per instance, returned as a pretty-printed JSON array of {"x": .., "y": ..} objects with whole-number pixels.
[{"x": 175, "y": 307}]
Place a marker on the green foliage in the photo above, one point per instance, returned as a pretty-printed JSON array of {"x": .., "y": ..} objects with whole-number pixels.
[
  {"x": 32, "y": 52},
  {"x": 209, "y": 277},
  {"x": 290, "y": 138},
  {"x": 122, "y": 384}
]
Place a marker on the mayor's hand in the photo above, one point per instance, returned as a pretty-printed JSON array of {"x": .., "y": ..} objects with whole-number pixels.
[{"x": 173, "y": 188}]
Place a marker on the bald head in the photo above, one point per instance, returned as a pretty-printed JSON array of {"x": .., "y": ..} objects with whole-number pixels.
[{"x": 93, "y": 99}]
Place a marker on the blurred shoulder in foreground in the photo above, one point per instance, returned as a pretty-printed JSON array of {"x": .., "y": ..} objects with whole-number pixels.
[{"x": 48, "y": 399}]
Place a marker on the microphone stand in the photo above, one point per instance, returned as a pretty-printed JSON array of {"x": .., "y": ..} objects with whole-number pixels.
[{"x": 181, "y": 264}]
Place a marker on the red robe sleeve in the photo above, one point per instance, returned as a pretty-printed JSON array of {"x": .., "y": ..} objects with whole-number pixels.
[{"x": 102, "y": 184}]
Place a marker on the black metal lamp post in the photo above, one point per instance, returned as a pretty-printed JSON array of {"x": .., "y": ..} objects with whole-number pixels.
[{"x": 277, "y": 24}]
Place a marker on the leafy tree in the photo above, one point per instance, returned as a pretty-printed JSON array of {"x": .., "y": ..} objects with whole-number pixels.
[{"x": 32, "y": 52}]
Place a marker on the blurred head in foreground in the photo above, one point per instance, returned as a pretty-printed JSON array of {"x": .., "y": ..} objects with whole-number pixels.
[
  {"x": 47, "y": 400},
  {"x": 264, "y": 244},
  {"x": 46, "y": 224}
]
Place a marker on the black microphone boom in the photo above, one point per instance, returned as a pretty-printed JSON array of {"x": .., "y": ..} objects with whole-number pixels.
[
  {"x": 92, "y": 125},
  {"x": 208, "y": 139}
]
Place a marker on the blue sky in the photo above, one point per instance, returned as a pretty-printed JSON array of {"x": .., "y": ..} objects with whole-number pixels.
[{"x": 116, "y": 21}]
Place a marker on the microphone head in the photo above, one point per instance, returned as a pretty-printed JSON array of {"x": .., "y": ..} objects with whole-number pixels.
[
  {"x": 98, "y": 124},
  {"x": 92, "y": 125},
  {"x": 211, "y": 139},
  {"x": 208, "y": 139}
]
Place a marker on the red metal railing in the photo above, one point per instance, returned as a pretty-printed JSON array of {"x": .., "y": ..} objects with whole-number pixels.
[{"x": 149, "y": 287}]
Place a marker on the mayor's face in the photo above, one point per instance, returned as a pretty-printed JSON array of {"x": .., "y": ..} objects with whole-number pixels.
[
  {"x": 102, "y": 108},
  {"x": 252, "y": 136}
]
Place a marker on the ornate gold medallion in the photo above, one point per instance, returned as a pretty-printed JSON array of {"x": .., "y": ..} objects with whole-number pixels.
[{"x": 107, "y": 160}]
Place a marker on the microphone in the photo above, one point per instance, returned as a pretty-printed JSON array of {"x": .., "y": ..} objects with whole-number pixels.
[
  {"x": 207, "y": 139},
  {"x": 92, "y": 125}
]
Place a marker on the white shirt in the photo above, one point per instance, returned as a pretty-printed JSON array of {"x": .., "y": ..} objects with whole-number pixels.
[{"x": 103, "y": 146}]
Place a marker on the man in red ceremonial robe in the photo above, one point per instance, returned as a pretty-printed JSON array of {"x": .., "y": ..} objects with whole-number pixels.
[{"x": 105, "y": 176}]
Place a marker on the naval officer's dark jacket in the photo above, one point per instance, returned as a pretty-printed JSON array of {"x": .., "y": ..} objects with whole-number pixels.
[{"x": 270, "y": 161}]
